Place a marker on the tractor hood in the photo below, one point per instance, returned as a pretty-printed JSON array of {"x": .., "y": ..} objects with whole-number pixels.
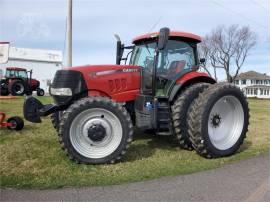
[
  {"x": 119, "y": 82},
  {"x": 104, "y": 69}
]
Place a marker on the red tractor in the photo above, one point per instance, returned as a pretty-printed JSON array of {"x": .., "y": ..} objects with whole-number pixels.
[
  {"x": 97, "y": 106},
  {"x": 19, "y": 81}
]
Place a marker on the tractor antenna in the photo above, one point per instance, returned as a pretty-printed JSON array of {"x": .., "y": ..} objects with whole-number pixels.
[{"x": 154, "y": 26}]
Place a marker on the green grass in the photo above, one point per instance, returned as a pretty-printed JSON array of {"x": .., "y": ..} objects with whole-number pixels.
[{"x": 32, "y": 158}]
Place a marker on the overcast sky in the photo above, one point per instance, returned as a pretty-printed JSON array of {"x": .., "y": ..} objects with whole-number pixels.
[{"x": 41, "y": 24}]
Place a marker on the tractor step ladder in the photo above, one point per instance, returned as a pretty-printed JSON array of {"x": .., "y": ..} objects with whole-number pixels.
[{"x": 164, "y": 123}]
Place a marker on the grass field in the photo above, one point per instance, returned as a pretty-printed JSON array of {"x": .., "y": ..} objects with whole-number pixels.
[{"x": 32, "y": 158}]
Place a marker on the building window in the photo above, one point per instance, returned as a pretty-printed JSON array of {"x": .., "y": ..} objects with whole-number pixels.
[
  {"x": 265, "y": 82},
  {"x": 236, "y": 82},
  {"x": 255, "y": 91},
  {"x": 243, "y": 82},
  {"x": 268, "y": 92},
  {"x": 265, "y": 92},
  {"x": 261, "y": 90}
]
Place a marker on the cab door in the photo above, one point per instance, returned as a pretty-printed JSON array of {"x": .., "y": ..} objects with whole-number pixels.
[
  {"x": 176, "y": 59},
  {"x": 143, "y": 56}
]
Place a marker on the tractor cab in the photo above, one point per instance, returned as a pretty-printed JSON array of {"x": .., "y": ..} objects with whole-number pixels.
[
  {"x": 15, "y": 72},
  {"x": 164, "y": 58},
  {"x": 162, "y": 67}
]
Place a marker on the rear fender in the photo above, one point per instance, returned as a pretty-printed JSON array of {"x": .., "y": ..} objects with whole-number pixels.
[{"x": 189, "y": 79}]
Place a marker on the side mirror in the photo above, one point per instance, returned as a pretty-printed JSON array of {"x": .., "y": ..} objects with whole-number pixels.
[
  {"x": 202, "y": 60},
  {"x": 119, "y": 49},
  {"x": 163, "y": 38}
]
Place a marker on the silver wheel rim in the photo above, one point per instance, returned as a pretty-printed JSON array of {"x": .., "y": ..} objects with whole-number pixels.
[
  {"x": 20, "y": 87},
  {"x": 225, "y": 122},
  {"x": 95, "y": 149}
]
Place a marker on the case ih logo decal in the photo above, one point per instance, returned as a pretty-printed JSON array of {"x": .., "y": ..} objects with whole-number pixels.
[
  {"x": 107, "y": 72},
  {"x": 130, "y": 70}
]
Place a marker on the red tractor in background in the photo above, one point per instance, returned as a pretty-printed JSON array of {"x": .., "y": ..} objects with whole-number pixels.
[
  {"x": 18, "y": 81},
  {"x": 96, "y": 106}
]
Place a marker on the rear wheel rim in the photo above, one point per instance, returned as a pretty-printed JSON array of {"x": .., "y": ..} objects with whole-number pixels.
[
  {"x": 226, "y": 122},
  {"x": 79, "y": 133}
]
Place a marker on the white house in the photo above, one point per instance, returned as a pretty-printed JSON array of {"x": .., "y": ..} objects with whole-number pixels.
[{"x": 254, "y": 84}]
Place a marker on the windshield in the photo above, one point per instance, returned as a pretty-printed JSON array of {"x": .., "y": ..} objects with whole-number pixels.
[
  {"x": 22, "y": 74},
  {"x": 177, "y": 55},
  {"x": 16, "y": 73},
  {"x": 143, "y": 55}
]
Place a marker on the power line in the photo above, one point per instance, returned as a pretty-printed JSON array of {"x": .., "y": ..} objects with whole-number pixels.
[
  {"x": 157, "y": 22},
  {"x": 240, "y": 14},
  {"x": 260, "y": 5}
]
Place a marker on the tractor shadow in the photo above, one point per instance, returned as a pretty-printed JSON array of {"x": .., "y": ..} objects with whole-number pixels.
[
  {"x": 145, "y": 145},
  {"x": 245, "y": 146}
]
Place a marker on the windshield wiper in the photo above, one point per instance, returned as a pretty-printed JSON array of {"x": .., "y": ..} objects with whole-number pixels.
[{"x": 145, "y": 44}]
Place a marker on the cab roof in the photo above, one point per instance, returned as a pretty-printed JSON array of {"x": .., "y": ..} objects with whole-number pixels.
[
  {"x": 174, "y": 34},
  {"x": 15, "y": 68}
]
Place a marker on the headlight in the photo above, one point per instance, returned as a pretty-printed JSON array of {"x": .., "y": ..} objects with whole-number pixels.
[{"x": 61, "y": 91}]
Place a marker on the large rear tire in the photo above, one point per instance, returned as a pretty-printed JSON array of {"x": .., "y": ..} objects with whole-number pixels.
[
  {"x": 18, "y": 88},
  {"x": 218, "y": 121},
  {"x": 95, "y": 130},
  {"x": 180, "y": 110}
]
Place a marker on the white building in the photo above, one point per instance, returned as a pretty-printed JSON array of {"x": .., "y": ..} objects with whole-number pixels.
[
  {"x": 44, "y": 63},
  {"x": 254, "y": 84}
]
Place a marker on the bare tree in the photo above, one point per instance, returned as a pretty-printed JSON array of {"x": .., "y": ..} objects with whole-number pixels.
[{"x": 227, "y": 48}]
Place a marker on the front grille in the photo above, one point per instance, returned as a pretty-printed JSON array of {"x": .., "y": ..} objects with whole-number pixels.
[{"x": 69, "y": 79}]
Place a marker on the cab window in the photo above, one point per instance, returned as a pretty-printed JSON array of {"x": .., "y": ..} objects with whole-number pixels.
[
  {"x": 176, "y": 57},
  {"x": 22, "y": 74}
]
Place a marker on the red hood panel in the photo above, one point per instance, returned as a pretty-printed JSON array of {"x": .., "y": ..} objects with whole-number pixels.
[
  {"x": 34, "y": 83},
  {"x": 120, "y": 82},
  {"x": 96, "y": 68}
]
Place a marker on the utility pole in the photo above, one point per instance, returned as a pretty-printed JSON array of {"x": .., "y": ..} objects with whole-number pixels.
[{"x": 69, "y": 35}]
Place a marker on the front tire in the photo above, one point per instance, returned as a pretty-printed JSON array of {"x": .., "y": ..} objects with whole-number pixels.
[
  {"x": 219, "y": 121},
  {"x": 95, "y": 130},
  {"x": 40, "y": 92},
  {"x": 55, "y": 119}
]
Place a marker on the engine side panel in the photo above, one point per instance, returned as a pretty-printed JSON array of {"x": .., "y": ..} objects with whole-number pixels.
[{"x": 119, "y": 82}]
